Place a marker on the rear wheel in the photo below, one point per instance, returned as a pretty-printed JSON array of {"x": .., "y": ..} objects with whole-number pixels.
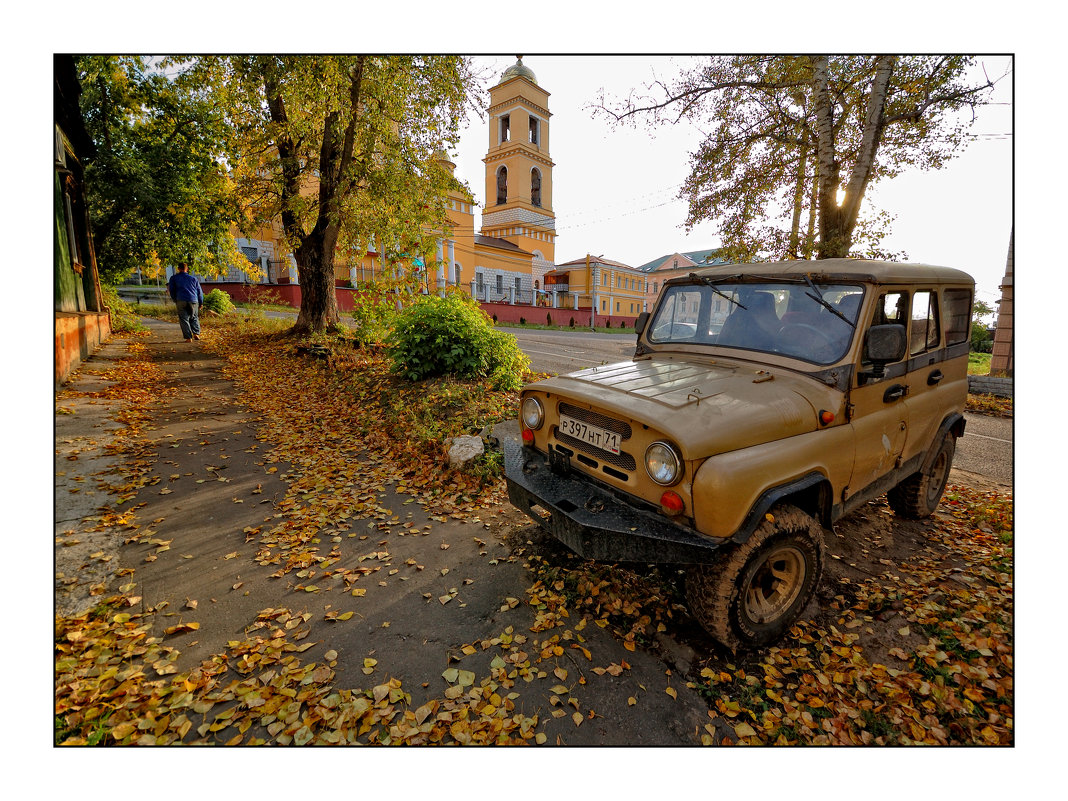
[
  {"x": 918, "y": 495},
  {"x": 757, "y": 590}
]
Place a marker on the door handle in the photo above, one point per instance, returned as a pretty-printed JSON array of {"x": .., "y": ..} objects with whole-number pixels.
[
  {"x": 934, "y": 378},
  {"x": 895, "y": 391}
]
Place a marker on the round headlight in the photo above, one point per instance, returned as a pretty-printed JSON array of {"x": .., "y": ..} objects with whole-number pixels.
[
  {"x": 662, "y": 463},
  {"x": 532, "y": 414}
]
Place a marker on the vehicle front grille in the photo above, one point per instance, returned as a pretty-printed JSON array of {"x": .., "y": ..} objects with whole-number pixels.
[
  {"x": 596, "y": 419},
  {"x": 622, "y": 460}
]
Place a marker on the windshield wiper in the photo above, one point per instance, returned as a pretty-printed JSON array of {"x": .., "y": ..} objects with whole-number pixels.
[
  {"x": 818, "y": 297},
  {"x": 711, "y": 285}
]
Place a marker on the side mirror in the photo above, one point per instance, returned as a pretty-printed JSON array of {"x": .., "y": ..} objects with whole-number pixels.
[
  {"x": 640, "y": 323},
  {"x": 884, "y": 344}
]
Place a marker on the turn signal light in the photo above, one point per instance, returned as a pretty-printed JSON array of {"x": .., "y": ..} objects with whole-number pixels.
[
  {"x": 671, "y": 503},
  {"x": 826, "y": 418},
  {"x": 528, "y": 436}
]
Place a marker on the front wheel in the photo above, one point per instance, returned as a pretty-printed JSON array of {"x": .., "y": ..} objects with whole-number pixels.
[
  {"x": 918, "y": 495},
  {"x": 757, "y": 590}
]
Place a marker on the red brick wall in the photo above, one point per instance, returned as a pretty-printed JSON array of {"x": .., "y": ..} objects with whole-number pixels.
[
  {"x": 505, "y": 313},
  {"x": 78, "y": 334}
]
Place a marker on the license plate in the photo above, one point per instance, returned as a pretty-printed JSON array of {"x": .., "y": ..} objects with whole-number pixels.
[{"x": 597, "y": 437}]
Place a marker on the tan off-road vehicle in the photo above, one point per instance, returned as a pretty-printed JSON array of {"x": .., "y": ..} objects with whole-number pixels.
[{"x": 763, "y": 403}]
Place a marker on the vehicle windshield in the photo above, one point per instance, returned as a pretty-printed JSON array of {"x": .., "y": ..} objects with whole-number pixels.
[{"x": 788, "y": 319}]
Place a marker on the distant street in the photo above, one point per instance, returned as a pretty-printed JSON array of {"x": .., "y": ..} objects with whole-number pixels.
[{"x": 565, "y": 351}]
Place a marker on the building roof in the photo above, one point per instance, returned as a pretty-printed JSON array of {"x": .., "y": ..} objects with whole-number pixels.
[
  {"x": 581, "y": 262},
  {"x": 503, "y": 244},
  {"x": 699, "y": 257}
]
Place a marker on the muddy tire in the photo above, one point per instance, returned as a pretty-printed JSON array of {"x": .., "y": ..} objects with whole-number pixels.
[
  {"x": 918, "y": 495},
  {"x": 752, "y": 595}
]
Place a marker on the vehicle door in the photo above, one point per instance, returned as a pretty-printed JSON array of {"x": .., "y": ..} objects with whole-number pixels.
[
  {"x": 937, "y": 370},
  {"x": 877, "y": 409}
]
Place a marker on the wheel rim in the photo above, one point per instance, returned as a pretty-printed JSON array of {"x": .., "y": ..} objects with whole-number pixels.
[
  {"x": 775, "y": 584},
  {"x": 939, "y": 473}
]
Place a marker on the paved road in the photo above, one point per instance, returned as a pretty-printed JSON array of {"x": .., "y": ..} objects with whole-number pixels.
[
  {"x": 566, "y": 351},
  {"x": 986, "y": 449}
]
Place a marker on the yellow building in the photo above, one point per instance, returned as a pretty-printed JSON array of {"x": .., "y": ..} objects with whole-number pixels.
[
  {"x": 673, "y": 265},
  {"x": 609, "y": 287},
  {"x": 506, "y": 260}
]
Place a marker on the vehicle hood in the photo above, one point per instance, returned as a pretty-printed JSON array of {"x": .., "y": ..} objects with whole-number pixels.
[{"x": 706, "y": 407}]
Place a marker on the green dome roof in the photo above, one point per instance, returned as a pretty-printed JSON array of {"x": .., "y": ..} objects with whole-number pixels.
[{"x": 519, "y": 70}]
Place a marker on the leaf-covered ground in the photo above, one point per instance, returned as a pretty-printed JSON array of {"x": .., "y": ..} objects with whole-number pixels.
[
  {"x": 990, "y": 404},
  {"x": 910, "y": 644}
]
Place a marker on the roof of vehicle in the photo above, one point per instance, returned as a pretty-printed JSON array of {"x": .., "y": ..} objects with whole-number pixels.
[{"x": 879, "y": 272}]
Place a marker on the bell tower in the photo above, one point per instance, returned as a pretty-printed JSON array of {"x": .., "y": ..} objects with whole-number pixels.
[{"x": 519, "y": 171}]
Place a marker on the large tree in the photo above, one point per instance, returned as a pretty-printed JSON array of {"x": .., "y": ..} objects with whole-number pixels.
[
  {"x": 157, "y": 190},
  {"x": 342, "y": 152},
  {"x": 790, "y": 136}
]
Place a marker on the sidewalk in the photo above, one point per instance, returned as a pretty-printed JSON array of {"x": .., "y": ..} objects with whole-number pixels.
[{"x": 396, "y": 596}]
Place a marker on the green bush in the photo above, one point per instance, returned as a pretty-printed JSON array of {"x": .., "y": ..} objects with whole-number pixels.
[
  {"x": 453, "y": 336},
  {"x": 982, "y": 342},
  {"x": 123, "y": 318},
  {"x": 373, "y": 313},
  {"x": 218, "y": 301}
]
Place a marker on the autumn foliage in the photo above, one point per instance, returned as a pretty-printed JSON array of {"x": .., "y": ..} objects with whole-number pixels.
[{"x": 944, "y": 676}]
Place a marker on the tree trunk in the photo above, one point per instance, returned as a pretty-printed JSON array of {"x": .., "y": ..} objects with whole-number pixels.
[
  {"x": 837, "y": 221},
  {"x": 874, "y": 120},
  {"x": 799, "y": 199},
  {"x": 833, "y": 243},
  {"x": 813, "y": 196},
  {"x": 315, "y": 250},
  {"x": 318, "y": 297}
]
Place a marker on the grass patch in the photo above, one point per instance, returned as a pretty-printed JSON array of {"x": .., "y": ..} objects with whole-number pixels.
[{"x": 978, "y": 363}]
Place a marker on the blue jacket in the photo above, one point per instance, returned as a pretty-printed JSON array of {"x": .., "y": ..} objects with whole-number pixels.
[{"x": 185, "y": 286}]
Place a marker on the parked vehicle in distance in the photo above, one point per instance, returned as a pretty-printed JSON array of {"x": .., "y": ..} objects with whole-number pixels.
[{"x": 763, "y": 403}]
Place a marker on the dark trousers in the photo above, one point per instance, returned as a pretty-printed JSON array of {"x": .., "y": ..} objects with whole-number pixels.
[{"x": 187, "y": 318}]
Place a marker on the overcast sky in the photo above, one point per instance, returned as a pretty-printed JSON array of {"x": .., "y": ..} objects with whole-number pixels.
[{"x": 615, "y": 189}]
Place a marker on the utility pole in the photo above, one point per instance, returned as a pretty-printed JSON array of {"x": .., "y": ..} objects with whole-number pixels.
[{"x": 593, "y": 294}]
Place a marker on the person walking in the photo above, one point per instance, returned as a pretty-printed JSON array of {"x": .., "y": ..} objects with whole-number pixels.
[{"x": 188, "y": 297}]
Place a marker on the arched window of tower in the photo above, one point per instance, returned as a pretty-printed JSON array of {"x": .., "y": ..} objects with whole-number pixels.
[
  {"x": 535, "y": 186},
  {"x": 504, "y": 128},
  {"x": 502, "y": 186}
]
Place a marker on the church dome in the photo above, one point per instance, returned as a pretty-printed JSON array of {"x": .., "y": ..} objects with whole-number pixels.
[
  {"x": 519, "y": 70},
  {"x": 442, "y": 158}
]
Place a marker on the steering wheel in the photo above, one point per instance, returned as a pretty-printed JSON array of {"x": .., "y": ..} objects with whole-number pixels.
[{"x": 803, "y": 333}]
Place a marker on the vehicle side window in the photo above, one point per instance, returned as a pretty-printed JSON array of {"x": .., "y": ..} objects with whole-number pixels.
[
  {"x": 891, "y": 309},
  {"x": 677, "y": 320},
  {"x": 957, "y": 310},
  {"x": 924, "y": 334}
]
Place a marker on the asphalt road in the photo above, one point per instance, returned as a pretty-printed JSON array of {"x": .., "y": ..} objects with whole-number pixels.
[
  {"x": 986, "y": 449},
  {"x": 565, "y": 351}
]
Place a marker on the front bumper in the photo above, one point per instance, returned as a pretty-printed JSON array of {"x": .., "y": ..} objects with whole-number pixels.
[{"x": 593, "y": 521}]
